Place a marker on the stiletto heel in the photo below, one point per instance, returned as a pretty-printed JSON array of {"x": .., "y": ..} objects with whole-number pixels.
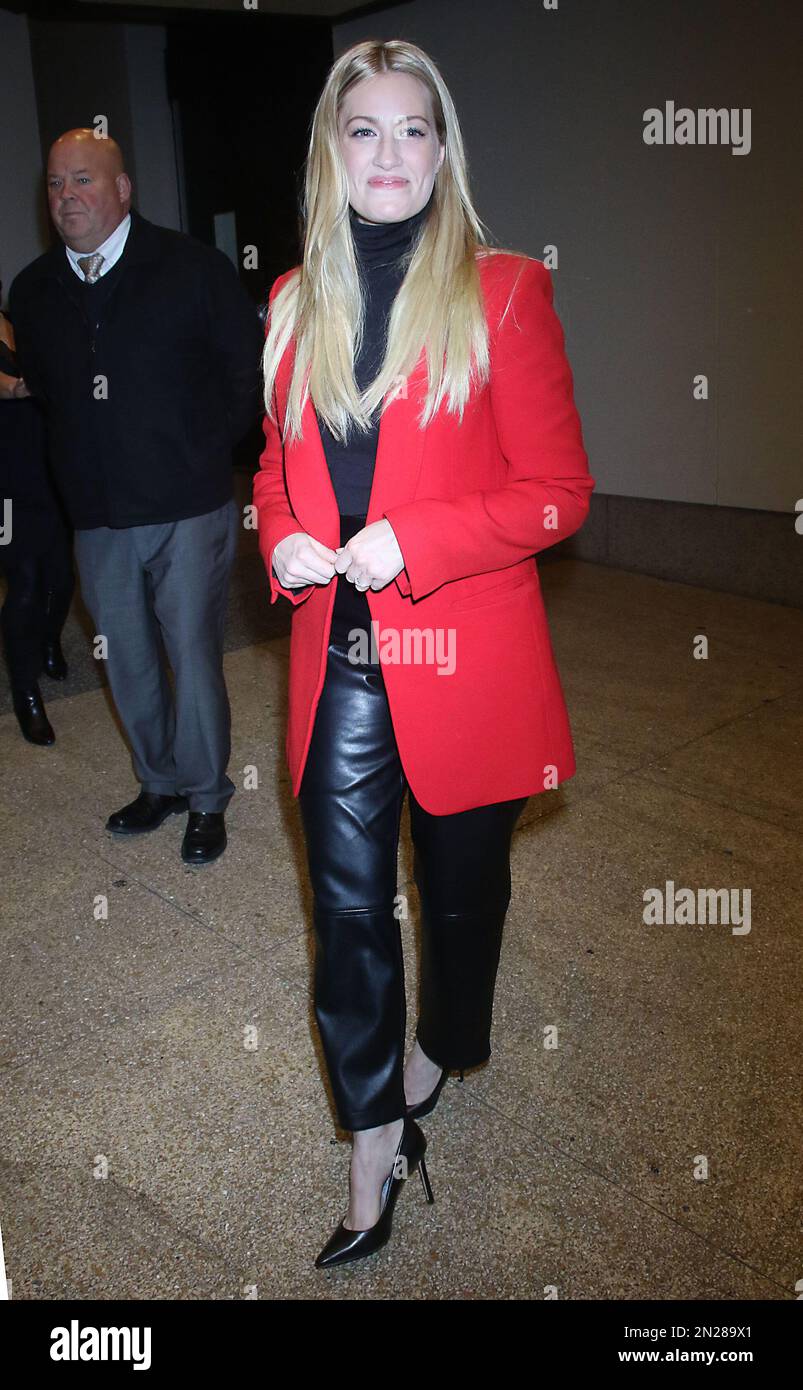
[
  {"x": 425, "y": 1182},
  {"x": 345, "y": 1245}
]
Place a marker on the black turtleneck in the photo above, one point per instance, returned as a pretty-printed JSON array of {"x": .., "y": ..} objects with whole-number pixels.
[{"x": 379, "y": 248}]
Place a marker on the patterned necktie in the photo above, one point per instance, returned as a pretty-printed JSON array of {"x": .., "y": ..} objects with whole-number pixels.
[{"x": 90, "y": 265}]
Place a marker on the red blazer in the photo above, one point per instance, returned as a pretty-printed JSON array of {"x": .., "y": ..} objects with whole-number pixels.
[{"x": 470, "y": 506}]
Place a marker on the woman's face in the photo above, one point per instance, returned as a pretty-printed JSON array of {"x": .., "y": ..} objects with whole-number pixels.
[{"x": 390, "y": 146}]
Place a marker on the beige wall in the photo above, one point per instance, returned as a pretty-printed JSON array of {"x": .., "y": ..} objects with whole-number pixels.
[{"x": 674, "y": 261}]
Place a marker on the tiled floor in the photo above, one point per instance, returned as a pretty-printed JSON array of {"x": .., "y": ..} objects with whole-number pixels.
[{"x": 166, "y": 1129}]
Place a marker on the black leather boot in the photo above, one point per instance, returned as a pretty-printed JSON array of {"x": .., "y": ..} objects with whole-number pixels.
[
  {"x": 54, "y": 664},
  {"x": 30, "y": 711},
  {"x": 204, "y": 838}
]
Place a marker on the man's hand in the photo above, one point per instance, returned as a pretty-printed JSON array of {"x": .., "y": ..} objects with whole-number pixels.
[
  {"x": 12, "y": 388},
  {"x": 299, "y": 560},
  {"x": 371, "y": 558}
]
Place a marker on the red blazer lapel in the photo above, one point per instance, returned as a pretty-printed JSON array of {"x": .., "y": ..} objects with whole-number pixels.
[{"x": 400, "y": 447}]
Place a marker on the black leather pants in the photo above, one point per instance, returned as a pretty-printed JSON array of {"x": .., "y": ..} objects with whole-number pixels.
[{"x": 351, "y": 800}]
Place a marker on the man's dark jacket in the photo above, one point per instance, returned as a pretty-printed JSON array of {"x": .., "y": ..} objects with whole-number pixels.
[{"x": 177, "y": 341}]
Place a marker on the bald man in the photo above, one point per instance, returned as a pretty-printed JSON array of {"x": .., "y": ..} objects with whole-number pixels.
[{"x": 145, "y": 349}]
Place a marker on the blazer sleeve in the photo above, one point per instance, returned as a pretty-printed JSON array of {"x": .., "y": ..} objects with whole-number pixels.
[
  {"x": 275, "y": 516},
  {"x": 27, "y": 363},
  {"x": 546, "y": 496}
]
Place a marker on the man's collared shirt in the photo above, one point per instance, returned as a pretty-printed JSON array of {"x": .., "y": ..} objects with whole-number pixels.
[{"x": 111, "y": 249}]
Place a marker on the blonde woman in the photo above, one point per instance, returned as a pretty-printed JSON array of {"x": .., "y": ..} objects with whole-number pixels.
[{"x": 422, "y": 445}]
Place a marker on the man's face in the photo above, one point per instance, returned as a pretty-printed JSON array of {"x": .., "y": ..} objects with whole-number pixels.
[{"x": 87, "y": 193}]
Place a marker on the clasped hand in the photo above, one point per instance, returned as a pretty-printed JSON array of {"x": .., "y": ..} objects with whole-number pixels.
[{"x": 370, "y": 559}]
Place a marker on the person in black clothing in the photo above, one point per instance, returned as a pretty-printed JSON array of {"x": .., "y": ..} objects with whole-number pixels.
[
  {"x": 144, "y": 348},
  {"x": 35, "y": 553}
]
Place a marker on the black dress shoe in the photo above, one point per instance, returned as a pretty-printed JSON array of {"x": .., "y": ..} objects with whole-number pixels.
[
  {"x": 54, "y": 664},
  {"x": 204, "y": 838},
  {"x": 30, "y": 711},
  {"x": 146, "y": 813}
]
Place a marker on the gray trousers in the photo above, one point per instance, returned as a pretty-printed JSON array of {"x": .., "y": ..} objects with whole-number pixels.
[{"x": 145, "y": 585}]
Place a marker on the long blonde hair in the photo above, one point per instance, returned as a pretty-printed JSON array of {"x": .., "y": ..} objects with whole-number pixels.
[{"x": 439, "y": 305}]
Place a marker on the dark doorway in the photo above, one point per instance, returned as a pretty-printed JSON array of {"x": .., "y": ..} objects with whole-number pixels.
[{"x": 243, "y": 89}]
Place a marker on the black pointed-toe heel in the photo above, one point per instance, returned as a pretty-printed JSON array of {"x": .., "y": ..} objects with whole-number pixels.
[
  {"x": 346, "y": 1245},
  {"x": 427, "y": 1105}
]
